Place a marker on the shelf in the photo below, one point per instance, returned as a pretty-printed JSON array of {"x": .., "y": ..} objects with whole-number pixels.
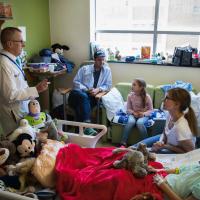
[{"x": 5, "y": 18}]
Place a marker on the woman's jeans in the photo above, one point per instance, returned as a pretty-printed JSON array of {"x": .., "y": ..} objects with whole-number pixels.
[
  {"x": 149, "y": 143},
  {"x": 132, "y": 121}
]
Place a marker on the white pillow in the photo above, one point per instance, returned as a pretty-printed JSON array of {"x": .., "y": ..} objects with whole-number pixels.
[
  {"x": 113, "y": 101},
  {"x": 195, "y": 104}
]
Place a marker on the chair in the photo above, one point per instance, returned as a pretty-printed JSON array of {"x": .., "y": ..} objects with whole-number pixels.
[{"x": 67, "y": 110}]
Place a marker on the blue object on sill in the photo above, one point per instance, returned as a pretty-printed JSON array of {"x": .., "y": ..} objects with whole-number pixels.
[{"x": 129, "y": 58}]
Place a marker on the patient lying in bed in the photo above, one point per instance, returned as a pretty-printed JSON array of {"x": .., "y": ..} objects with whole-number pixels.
[{"x": 182, "y": 183}]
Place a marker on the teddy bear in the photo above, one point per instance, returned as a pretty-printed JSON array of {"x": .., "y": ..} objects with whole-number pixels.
[
  {"x": 12, "y": 157},
  {"x": 148, "y": 156},
  {"x": 135, "y": 160},
  {"x": 4, "y": 154}
]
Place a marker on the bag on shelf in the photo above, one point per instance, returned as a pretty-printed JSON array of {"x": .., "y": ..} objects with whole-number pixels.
[{"x": 182, "y": 56}]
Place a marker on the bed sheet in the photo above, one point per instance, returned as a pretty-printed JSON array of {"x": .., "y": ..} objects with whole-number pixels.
[
  {"x": 176, "y": 160},
  {"x": 88, "y": 173}
]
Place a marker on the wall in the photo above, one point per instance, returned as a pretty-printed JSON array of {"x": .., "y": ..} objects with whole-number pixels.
[
  {"x": 34, "y": 15},
  {"x": 155, "y": 74},
  {"x": 70, "y": 24}
]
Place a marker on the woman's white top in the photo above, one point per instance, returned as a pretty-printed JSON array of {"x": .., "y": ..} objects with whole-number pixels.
[{"x": 180, "y": 131}]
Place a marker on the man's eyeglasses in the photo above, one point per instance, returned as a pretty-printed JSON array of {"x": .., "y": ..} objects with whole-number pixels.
[{"x": 21, "y": 41}]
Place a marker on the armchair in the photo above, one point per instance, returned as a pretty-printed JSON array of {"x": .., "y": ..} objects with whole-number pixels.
[{"x": 115, "y": 130}]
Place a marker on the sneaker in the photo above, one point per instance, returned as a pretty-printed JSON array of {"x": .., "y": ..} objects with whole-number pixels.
[
  {"x": 46, "y": 194},
  {"x": 90, "y": 131},
  {"x": 123, "y": 144}
]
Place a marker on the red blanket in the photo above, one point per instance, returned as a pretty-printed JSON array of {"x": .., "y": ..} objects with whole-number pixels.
[{"x": 88, "y": 174}]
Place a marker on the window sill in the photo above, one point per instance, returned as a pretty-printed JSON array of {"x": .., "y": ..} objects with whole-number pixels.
[{"x": 151, "y": 63}]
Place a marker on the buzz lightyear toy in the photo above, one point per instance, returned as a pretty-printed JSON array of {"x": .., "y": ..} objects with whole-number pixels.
[{"x": 43, "y": 122}]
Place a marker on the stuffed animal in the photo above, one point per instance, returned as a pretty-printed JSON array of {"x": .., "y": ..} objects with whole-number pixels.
[
  {"x": 57, "y": 48},
  {"x": 4, "y": 154},
  {"x": 135, "y": 160},
  {"x": 43, "y": 122},
  {"x": 59, "y": 58},
  {"x": 35, "y": 117},
  {"x": 25, "y": 145},
  {"x": 24, "y": 127},
  {"x": 14, "y": 175},
  {"x": 148, "y": 156},
  {"x": 22, "y": 169},
  {"x": 12, "y": 158}
]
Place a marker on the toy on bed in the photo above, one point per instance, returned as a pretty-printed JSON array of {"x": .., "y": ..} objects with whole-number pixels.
[
  {"x": 12, "y": 157},
  {"x": 16, "y": 173},
  {"x": 22, "y": 169},
  {"x": 4, "y": 154},
  {"x": 24, "y": 127},
  {"x": 25, "y": 145},
  {"x": 135, "y": 160},
  {"x": 43, "y": 123}
]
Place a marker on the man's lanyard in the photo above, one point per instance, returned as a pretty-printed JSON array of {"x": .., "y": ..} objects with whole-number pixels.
[{"x": 15, "y": 64}]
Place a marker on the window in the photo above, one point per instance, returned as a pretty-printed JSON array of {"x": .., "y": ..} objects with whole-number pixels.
[{"x": 127, "y": 25}]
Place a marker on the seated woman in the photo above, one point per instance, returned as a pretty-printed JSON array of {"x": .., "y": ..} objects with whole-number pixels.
[{"x": 181, "y": 125}]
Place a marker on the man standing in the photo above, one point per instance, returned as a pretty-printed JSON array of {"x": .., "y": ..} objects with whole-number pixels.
[
  {"x": 14, "y": 90},
  {"x": 88, "y": 82}
]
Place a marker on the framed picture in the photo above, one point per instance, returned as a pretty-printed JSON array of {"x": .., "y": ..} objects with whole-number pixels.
[{"x": 5, "y": 11}]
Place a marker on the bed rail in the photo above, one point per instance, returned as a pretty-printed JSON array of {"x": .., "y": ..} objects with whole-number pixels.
[{"x": 80, "y": 138}]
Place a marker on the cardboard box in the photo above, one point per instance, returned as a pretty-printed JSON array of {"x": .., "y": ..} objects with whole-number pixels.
[{"x": 5, "y": 11}]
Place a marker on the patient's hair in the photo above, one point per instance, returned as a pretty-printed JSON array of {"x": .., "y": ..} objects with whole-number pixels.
[
  {"x": 143, "y": 92},
  {"x": 183, "y": 97},
  {"x": 7, "y": 34}
]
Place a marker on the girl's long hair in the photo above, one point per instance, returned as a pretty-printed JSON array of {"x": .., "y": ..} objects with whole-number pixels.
[
  {"x": 183, "y": 97},
  {"x": 143, "y": 92}
]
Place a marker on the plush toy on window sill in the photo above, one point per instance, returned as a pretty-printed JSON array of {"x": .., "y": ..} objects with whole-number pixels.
[
  {"x": 58, "y": 57},
  {"x": 43, "y": 123}
]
